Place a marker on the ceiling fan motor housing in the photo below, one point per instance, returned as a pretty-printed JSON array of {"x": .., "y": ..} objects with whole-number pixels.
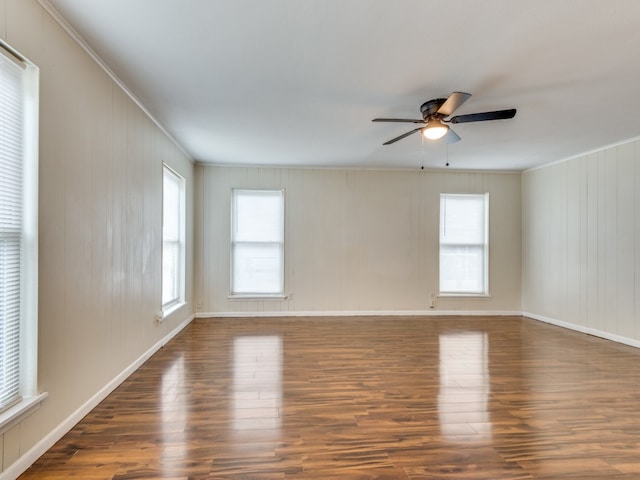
[{"x": 431, "y": 107}]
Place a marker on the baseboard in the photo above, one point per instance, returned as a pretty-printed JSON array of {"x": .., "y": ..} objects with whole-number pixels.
[
  {"x": 25, "y": 461},
  {"x": 582, "y": 329},
  {"x": 362, "y": 313}
]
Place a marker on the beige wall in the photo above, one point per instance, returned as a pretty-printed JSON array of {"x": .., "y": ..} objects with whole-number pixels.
[
  {"x": 581, "y": 243},
  {"x": 100, "y": 226},
  {"x": 357, "y": 241}
]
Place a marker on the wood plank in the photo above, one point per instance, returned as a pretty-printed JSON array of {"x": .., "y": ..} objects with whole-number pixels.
[{"x": 365, "y": 398}]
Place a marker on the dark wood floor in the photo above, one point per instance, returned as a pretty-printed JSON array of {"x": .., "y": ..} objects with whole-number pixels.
[{"x": 366, "y": 398}]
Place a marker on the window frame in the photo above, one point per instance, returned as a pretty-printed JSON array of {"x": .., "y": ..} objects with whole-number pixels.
[
  {"x": 179, "y": 278},
  {"x": 27, "y": 398},
  {"x": 241, "y": 294},
  {"x": 484, "y": 245}
]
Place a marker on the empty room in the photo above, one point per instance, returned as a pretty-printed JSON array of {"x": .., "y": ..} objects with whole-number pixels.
[{"x": 319, "y": 239}]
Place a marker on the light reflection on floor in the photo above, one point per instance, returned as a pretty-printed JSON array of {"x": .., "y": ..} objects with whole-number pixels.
[
  {"x": 464, "y": 386},
  {"x": 257, "y": 383},
  {"x": 174, "y": 411}
]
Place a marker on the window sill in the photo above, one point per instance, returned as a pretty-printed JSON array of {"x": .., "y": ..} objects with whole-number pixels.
[
  {"x": 257, "y": 296},
  {"x": 20, "y": 411},
  {"x": 464, "y": 295},
  {"x": 173, "y": 308}
]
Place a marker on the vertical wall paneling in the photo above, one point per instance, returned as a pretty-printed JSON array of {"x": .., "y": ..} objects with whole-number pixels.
[
  {"x": 582, "y": 215},
  {"x": 3, "y": 18},
  {"x": 11, "y": 444},
  {"x": 591, "y": 240},
  {"x": 572, "y": 239},
  {"x": 100, "y": 228},
  {"x": 198, "y": 215},
  {"x": 358, "y": 240},
  {"x": 624, "y": 294},
  {"x": 582, "y": 180}
]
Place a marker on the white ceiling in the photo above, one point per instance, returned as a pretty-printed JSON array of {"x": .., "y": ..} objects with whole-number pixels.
[{"x": 297, "y": 82}]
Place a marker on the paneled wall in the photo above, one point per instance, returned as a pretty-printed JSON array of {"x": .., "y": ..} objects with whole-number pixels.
[
  {"x": 100, "y": 228},
  {"x": 357, "y": 241},
  {"x": 581, "y": 243}
]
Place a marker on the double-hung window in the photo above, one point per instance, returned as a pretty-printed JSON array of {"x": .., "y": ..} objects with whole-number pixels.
[
  {"x": 18, "y": 233},
  {"x": 464, "y": 244},
  {"x": 173, "y": 239},
  {"x": 257, "y": 242}
]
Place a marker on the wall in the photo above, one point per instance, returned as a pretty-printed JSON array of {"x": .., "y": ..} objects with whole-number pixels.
[
  {"x": 100, "y": 230},
  {"x": 581, "y": 243},
  {"x": 357, "y": 241}
]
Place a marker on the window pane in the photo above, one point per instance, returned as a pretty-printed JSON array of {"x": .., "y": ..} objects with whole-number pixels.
[
  {"x": 9, "y": 319},
  {"x": 257, "y": 268},
  {"x": 171, "y": 208},
  {"x": 259, "y": 215},
  {"x": 462, "y": 269},
  {"x": 464, "y": 219},
  {"x": 170, "y": 272}
]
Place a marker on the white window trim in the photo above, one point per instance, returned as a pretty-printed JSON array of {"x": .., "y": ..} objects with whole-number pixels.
[
  {"x": 485, "y": 244},
  {"x": 463, "y": 295},
  {"x": 255, "y": 295},
  {"x": 175, "y": 303}
]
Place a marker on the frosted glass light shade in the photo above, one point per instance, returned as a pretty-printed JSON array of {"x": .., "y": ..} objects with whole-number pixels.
[{"x": 435, "y": 129}]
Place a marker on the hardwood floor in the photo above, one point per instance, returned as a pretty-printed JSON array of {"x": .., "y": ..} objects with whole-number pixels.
[{"x": 366, "y": 398}]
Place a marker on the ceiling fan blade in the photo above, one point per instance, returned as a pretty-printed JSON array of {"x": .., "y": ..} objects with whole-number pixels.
[
  {"x": 394, "y": 140},
  {"x": 452, "y": 103},
  {"x": 452, "y": 137},
  {"x": 484, "y": 116},
  {"x": 404, "y": 120}
]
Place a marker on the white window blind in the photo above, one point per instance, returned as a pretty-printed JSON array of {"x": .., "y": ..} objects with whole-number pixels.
[
  {"x": 173, "y": 251},
  {"x": 12, "y": 145},
  {"x": 464, "y": 243},
  {"x": 257, "y": 243}
]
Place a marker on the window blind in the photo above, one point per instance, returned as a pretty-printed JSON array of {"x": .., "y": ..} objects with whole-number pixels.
[{"x": 12, "y": 97}]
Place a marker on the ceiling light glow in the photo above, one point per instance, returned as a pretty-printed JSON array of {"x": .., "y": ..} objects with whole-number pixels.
[{"x": 435, "y": 129}]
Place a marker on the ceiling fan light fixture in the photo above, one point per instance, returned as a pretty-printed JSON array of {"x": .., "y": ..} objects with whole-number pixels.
[{"x": 435, "y": 129}]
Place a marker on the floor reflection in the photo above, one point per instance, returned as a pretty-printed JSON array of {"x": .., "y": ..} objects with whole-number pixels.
[
  {"x": 464, "y": 386},
  {"x": 174, "y": 414},
  {"x": 257, "y": 382}
]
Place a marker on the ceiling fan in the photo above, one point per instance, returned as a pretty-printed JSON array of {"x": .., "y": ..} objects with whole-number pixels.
[{"x": 434, "y": 118}]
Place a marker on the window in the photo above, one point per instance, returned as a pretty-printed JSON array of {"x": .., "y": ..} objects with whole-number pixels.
[
  {"x": 464, "y": 244},
  {"x": 173, "y": 250},
  {"x": 257, "y": 242},
  {"x": 18, "y": 232}
]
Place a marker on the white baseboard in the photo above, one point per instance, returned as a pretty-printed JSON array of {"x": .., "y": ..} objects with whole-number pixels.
[
  {"x": 582, "y": 329},
  {"x": 363, "y": 313},
  {"x": 25, "y": 461}
]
